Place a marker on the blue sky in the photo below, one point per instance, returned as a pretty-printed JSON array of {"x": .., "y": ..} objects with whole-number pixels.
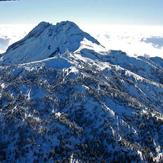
[{"x": 137, "y": 12}]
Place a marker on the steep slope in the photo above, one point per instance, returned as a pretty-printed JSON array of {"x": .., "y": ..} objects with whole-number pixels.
[
  {"x": 45, "y": 41},
  {"x": 81, "y": 106},
  {"x": 149, "y": 68}
]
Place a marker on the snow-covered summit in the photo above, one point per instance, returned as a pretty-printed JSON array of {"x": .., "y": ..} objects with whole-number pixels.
[{"x": 46, "y": 40}]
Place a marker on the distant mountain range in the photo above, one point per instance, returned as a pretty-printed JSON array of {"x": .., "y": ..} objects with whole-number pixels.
[{"x": 65, "y": 98}]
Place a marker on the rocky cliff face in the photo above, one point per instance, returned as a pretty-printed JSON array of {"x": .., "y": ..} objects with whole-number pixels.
[{"x": 79, "y": 104}]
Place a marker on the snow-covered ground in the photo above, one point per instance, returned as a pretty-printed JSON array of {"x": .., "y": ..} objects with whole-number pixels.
[{"x": 63, "y": 97}]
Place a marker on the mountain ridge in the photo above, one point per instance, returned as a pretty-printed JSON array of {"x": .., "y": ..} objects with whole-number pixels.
[{"x": 86, "y": 105}]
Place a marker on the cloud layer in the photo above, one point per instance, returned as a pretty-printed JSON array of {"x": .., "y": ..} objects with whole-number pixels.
[{"x": 134, "y": 40}]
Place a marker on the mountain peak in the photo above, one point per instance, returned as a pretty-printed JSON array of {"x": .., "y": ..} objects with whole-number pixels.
[
  {"x": 67, "y": 23},
  {"x": 46, "y": 40},
  {"x": 63, "y": 26},
  {"x": 38, "y": 29}
]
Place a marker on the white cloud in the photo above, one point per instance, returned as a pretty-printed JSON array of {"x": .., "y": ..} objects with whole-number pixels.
[{"x": 129, "y": 38}]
